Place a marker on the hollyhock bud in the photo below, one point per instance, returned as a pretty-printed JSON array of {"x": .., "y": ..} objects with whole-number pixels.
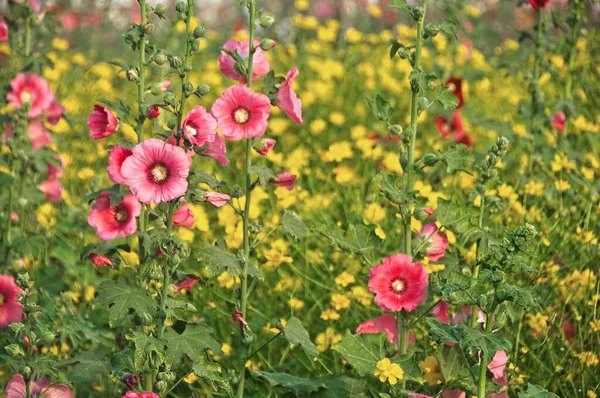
[
  {"x": 264, "y": 145},
  {"x": 203, "y": 89},
  {"x": 101, "y": 122},
  {"x": 153, "y": 112},
  {"x": 287, "y": 100},
  {"x": 266, "y": 21},
  {"x": 217, "y": 199},
  {"x": 285, "y": 180},
  {"x": 160, "y": 10},
  {"x": 181, "y": 6},
  {"x": 558, "y": 121},
  {"x": 132, "y": 75},
  {"x": 160, "y": 59},
  {"x": 199, "y": 32},
  {"x": 184, "y": 216},
  {"x": 3, "y": 30},
  {"x": 538, "y": 3},
  {"x": 267, "y": 44},
  {"x": 175, "y": 61}
]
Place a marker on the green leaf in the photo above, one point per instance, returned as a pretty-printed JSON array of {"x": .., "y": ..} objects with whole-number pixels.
[
  {"x": 211, "y": 373},
  {"x": 121, "y": 298},
  {"x": 271, "y": 82},
  {"x": 145, "y": 346},
  {"x": 380, "y": 108},
  {"x": 457, "y": 158},
  {"x": 391, "y": 190},
  {"x": 343, "y": 387},
  {"x": 448, "y": 28},
  {"x": 422, "y": 81},
  {"x": 454, "y": 368},
  {"x": 218, "y": 259},
  {"x": 296, "y": 384},
  {"x": 264, "y": 174},
  {"x": 6, "y": 180},
  {"x": 296, "y": 334},
  {"x": 535, "y": 391},
  {"x": 488, "y": 342},
  {"x": 446, "y": 98},
  {"x": 409, "y": 367},
  {"x": 398, "y": 5},
  {"x": 517, "y": 295},
  {"x": 193, "y": 342},
  {"x": 359, "y": 238},
  {"x": 199, "y": 177},
  {"x": 442, "y": 333},
  {"x": 454, "y": 215},
  {"x": 89, "y": 365},
  {"x": 362, "y": 351},
  {"x": 293, "y": 225}
]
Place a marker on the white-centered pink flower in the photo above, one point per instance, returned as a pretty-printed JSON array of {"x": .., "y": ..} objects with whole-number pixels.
[
  {"x": 260, "y": 62},
  {"x": 199, "y": 126},
  {"x": 242, "y": 113},
  {"x": 102, "y": 122},
  {"x": 287, "y": 100},
  {"x": 114, "y": 222},
  {"x": 38, "y": 388},
  {"x": 33, "y": 90},
  {"x": 156, "y": 171}
]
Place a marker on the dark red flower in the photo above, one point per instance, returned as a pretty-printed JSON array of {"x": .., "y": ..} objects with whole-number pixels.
[
  {"x": 453, "y": 129},
  {"x": 538, "y": 3},
  {"x": 186, "y": 284},
  {"x": 454, "y": 84}
]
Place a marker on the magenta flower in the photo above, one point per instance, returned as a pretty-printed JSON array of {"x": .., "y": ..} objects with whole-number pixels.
[
  {"x": 38, "y": 135},
  {"x": 10, "y": 309},
  {"x": 498, "y": 364},
  {"x": 3, "y": 30},
  {"x": 241, "y": 113},
  {"x": 52, "y": 189},
  {"x": 398, "y": 283},
  {"x": 286, "y": 180},
  {"x": 538, "y": 3},
  {"x": 558, "y": 121},
  {"x": 287, "y": 100},
  {"x": 102, "y": 122},
  {"x": 383, "y": 324},
  {"x": 99, "y": 260},
  {"x": 184, "y": 216},
  {"x": 217, "y": 150},
  {"x": 153, "y": 112},
  {"x": 28, "y": 88},
  {"x": 114, "y": 222},
  {"x": 199, "y": 126},
  {"x": 264, "y": 146},
  {"x": 441, "y": 313},
  {"x": 414, "y": 395},
  {"x": 156, "y": 171},
  {"x": 37, "y": 388},
  {"x": 217, "y": 199},
  {"x": 186, "y": 284},
  {"x": 133, "y": 394},
  {"x": 54, "y": 113},
  {"x": 115, "y": 161},
  {"x": 437, "y": 241},
  {"x": 259, "y": 61}
]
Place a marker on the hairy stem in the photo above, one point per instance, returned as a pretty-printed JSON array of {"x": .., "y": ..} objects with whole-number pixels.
[
  {"x": 188, "y": 54},
  {"x": 246, "y": 216},
  {"x": 142, "y": 116},
  {"x": 483, "y": 365},
  {"x": 413, "y": 129},
  {"x": 477, "y": 257}
]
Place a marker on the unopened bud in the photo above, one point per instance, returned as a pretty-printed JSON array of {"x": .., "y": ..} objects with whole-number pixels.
[
  {"x": 199, "y": 32},
  {"x": 160, "y": 59},
  {"x": 203, "y": 89},
  {"x": 171, "y": 124},
  {"x": 160, "y": 10},
  {"x": 267, "y": 44},
  {"x": 153, "y": 112},
  {"x": 148, "y": 28},
  {"x": 396, "y": 129},
  {"x": 181, "y": 6},
  {"x": 132, "y": 75},
  {"x": 14, "y": 350},
  {"x": 266, "y": 21},
  {"x": 430, "y": 159},
  {"x": 175, "y": 61}
]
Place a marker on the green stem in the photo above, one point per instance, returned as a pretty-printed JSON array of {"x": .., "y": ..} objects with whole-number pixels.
[
  {"x": 246, "y": 217},
  {"x": 167, "y": 274},
  {"x": 539, "y": 54},
  {"x": 402, "y": 332},
  {"x": 142, "y": 116},
  {"x": 413, "y": 127},
  {"x": 571, "y": 60},
  {"x": 483, "y": 365},
  {"x": 28, "y": 388},
  {"x": 11, "y": 194},
  {"x": 188, "y": 54},
  {"x": 477, "y": 257},
  {"x": 27, "y": 43}
]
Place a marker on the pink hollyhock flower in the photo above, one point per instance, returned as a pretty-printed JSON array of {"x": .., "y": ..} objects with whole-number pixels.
[
  {"x": 287, "y": 100},
  {"x": 241, "y": 113},
  {"x": 102, "y": 122},
  {"x": 3, "y": 30},
  {"x": 55, "y": 112},
  {"x": 133, "y": 394},
  {"x": 441, "y": 313},
  {"x": 454, "y": 84},
  {"x": 115, "y": 162},
  {"x": 465, "y": 313},
  {"x": 52, "y": 189},
  {"x": 413, "y": 395},
  {"x": 186, "y": 284},
  {"x": 156, "y": 171},
  {"x": 199, "y": 126},
  {"x": 153, "y": 112},
  {"x": 217, "y": 199},
  {"x": 264, "y": 146},
  {"x": 56, "y": 172},
  {"x": 217, "y": 150},
  {"x": 10, "y": 309},
  {"x": 558, "y": 121},
  {"x": 28, "y": 88},
  {"x": 538, "y": 3},
  {"x": 99, "y": 260},
  {"x": 398, "y": 283},
  {"x": 14, "y": 217},
  {"x": 37, "y": 388},
  {"x": 38, "y": 135},
  {"x": 384, "y": 324},
  {"x": 453, "y": 130},
  {"x": 114, "y": 222},
  {"x": 454, "y": 394},
  {"x": 437, "y": 241},
  {"x": 286, "y": 180},
  {"x": 259, "y": 61},
  {"x": 164, "y": 85},
  {"x": 184, "y": 216},
  {"x": 498, "y": 364}
]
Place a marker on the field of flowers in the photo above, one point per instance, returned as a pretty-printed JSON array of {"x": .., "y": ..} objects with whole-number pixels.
[{"x": 379, "y": 199}]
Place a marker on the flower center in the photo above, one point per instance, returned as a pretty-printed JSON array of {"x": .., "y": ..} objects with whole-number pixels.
[
  {"x": 452, "y": 87},
  {"x": 121, "y": 216},
  {"x": 398, "y": 285},
  {"x": 159, "y": 173},
  {"x": 241, "y": 116},
  {"x": 25, "y": 97},
  {"x": 190, "y": 131}
]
